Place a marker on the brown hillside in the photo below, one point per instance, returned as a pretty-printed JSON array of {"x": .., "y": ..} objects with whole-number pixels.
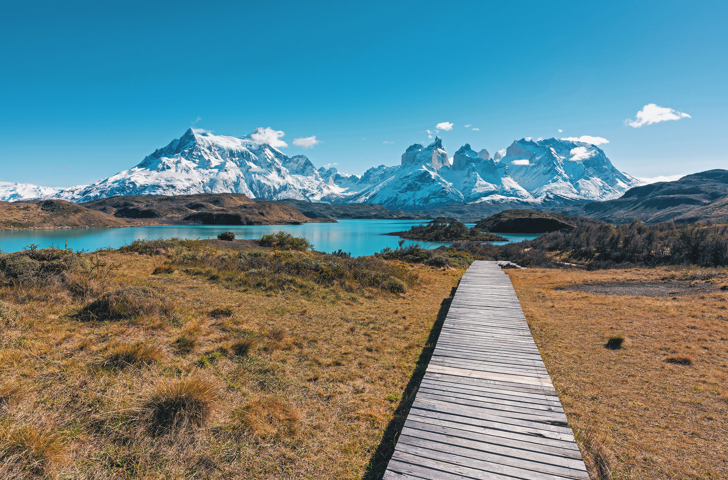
[
  {"x": 206, "y": 208},
  {"x": 53, "y": 214}
]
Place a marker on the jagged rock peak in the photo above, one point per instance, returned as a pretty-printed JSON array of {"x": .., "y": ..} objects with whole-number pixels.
[
  {"x": 484, "y": 154},
  {"x": 434, "y": 155}
]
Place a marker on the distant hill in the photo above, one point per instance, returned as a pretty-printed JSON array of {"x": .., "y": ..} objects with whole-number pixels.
[
  {"x": 530, "y": 221},
  {"x": 700, "y": 197},
  {"x": 352, "y": 211},
  {"x": 206, "y": 208},
  {"x": 53, "y": 214}
]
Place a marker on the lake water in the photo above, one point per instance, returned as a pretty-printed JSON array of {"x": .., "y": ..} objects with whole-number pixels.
[{"x": 359, "y": 237}]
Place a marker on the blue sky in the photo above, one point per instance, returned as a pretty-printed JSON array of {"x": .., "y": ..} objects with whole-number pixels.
[{"x": 88, "y": 88}]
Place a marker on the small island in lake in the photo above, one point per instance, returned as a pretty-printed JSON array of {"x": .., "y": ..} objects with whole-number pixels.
[{"x": 446, "y": 229}]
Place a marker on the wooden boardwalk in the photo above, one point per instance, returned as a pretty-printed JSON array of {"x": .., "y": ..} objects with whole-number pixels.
[{"x": 486, "y": 408}]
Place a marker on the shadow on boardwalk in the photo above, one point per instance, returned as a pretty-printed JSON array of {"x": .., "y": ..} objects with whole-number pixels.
[{"x": 378, "y": 463}]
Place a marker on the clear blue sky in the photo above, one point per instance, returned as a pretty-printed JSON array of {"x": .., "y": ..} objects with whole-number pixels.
[{"x": 90, "y": 88}]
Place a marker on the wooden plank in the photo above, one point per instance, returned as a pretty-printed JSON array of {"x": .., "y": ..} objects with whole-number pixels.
[{"x": 486, "y": 408}]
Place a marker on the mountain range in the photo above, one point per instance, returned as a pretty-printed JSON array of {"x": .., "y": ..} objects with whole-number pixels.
[{"x": 532, "y": 173}]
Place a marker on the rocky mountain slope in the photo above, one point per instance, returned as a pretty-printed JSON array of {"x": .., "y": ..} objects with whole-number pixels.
[
  {"x": 550, "y": 171},
  {"x": 53, "y": 214},
  {"x": 698, "y": 197}
]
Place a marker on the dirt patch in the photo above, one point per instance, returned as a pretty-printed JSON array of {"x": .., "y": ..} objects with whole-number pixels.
[{"x": 645, "y": 289}]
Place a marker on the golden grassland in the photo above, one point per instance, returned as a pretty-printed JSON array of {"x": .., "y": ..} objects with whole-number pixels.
[
  {"x": 140, "y": 366},
  {"x": 655, "y": 408}
]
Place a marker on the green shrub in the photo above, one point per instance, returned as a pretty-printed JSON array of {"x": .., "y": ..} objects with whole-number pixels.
[
  {"x": 284, "y": 241},
  {"x": 394, "y": 285}
]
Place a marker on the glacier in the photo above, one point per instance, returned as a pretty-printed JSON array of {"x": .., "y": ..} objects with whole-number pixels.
[{"x": 531, "y": 172}]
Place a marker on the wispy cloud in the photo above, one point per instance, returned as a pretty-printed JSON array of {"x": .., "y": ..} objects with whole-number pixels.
[
  {"x": 268, "y": 136},
  {"x": 652, "y": 113},
  {"x": 476, "y": 129},
  {"x": 525, "y": 161},
  {"x": 467, "y": 126},
  {"x": 306, "y": 142},
  {"x": 560, "y": 131},
  {"x": 388, "y": 141},
  {"x": 587, "y": 139},
  {"x": 196, "y": 120},
  {"x": 446, "y": 126}
]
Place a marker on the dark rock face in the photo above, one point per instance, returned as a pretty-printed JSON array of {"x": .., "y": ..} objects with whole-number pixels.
[
  {"x": 525, "y": 221},
  {"x": 209, "y": 218},
  {"x": 227, "y": 236}
]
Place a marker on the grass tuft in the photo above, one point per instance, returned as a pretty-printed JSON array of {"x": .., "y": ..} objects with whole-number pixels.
[
  {"x": 163, "y": 269},
  {"x": 122, "y": 355},
  {"x": 28, "y": 451},
  {"x": 393, "y": 285},
  {"x": 127, "y": 303},
  {"x": 178, "y": 405},
  {"x": 615, "y": 342},
  {"x": 221, "y": 312},
  {"x": 268, "y": 418},
  {"x": 244, "y": 347},
  {"x": 679, "y": 360}
]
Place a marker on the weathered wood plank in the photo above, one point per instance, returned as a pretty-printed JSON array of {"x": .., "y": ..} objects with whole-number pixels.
[{"x": 486, "y": 407}]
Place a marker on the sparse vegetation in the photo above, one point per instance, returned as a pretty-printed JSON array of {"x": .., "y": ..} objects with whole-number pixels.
[
  {"x": 163, "y": 269},
  {"x": 248, "y": 362},
  {"x": 284, "y": 241},
  {"x": 28, "y": 451},
  {"x": 679, "y": 360}
]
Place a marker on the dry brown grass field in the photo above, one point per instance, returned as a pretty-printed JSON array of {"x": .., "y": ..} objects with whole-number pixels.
[
  {"x": 202, "y": 371},
  {"x": 657, "y": 408}
]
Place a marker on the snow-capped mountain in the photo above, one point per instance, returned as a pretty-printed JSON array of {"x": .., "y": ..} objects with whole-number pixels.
[{"x": 200, "y": 162}]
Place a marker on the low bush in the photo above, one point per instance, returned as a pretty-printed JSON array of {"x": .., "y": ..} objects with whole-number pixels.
[
  {"x": 38, "y": 266},
  {"x": 394, "y": 285},
  {"x": 221, "y": 312},
  {"x": 178, "y": 405},
  {"x": 268, "y": 418},
  {"x": 227, "y": 236},
  {"x": 127, "y": 303},
  {"x": 614, "y": 342},
  {"x": 679, "y": 360},
  {"x": 284, "y": 241}
]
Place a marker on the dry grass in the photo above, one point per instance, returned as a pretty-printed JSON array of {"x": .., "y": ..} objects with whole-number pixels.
[
  {"x": 121, "y": 355},
  {"x": 163, "y": 269},
  {"x": 27, "y": 451},
  {"x": 179, "y": 404},
  {"x": 293, "y": 378},
  {"x": 645, "y": 417},
  {"x": 268, "y": 418}
]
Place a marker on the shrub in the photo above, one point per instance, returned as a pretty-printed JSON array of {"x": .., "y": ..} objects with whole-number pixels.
[
  {"x": 614, "y": 342},
  {"x": 227, "y": 236},
  {"x": 178, "y": 405},
  {"x": 679, "y": 360},
  {"x": 162, "y": 269},
  {"x": 127, "y": 303},
  {"x": 268, "y": 418},
  {"x": 38, "y": 265},
  {"x": 151, "y": 247},
  {"x": 394, "y": 285},
  {"x": 121, "y": 355},
  {"x": 28, "y": 451},
  {"x": 221, "y": 312},
  {"x": 242, "y": 348},
  {"x": 284, "y": 241}
]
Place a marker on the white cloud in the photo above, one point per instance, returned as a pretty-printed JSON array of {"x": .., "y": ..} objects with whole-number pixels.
[
  {"x": 580, "y": 153},
  {"x": 521, "y": 162},
  {"x": 329, "y": 165},
  {"x": 587, "y": 139},
  {"x": 467, "y": 126},
  {"x": 429, "y": 136},
  {"x": 476, "y": 129},
  {"x": 652, "y": 113},
  {"x": 447, "y": 126},
  {"x": 429, "y": 132},
  {"x": 662, "y": 178},
  {"x": 268, "y": 136},
  {"x": 528, "y": 139},
  {"x": 388, "y": 141},
  {"x": 306, "y": 142},
  {"x": 560, "y": 130}
]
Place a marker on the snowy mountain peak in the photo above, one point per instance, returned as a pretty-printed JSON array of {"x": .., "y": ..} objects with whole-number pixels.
[{"x": 202, "y": 162}]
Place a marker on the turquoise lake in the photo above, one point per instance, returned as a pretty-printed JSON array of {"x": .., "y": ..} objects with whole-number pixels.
[{"x": 358, "y": 237}]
